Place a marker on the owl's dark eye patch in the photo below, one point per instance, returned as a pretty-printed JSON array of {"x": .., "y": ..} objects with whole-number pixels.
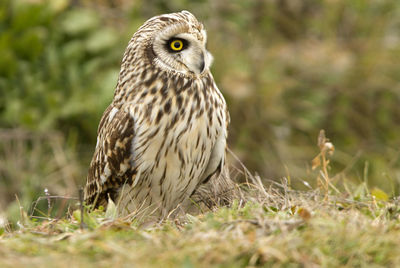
[{"x": 176, "y": 44}]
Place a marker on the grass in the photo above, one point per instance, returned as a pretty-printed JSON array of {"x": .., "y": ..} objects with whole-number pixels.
[
  {"x": 297, "y": 228},
  {"x": 344, "y": 225}
]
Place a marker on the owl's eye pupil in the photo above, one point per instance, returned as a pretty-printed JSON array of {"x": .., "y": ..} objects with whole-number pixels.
[{"x": 176, "y": 44}]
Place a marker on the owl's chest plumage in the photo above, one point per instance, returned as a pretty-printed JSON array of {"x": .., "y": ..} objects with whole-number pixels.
[{"x": 175, "y": 137}]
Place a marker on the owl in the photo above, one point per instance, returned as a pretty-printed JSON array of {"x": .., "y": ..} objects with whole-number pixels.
[{"x": 164, "y": 134}]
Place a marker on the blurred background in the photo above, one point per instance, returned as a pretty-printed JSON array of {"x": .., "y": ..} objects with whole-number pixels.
[{"x": 287, "y": 68}]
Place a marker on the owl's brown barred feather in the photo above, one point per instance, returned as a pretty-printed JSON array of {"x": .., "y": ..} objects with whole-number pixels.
[
  {"x": 112, "y": 159},
  {"x": 165, "y": 132}
]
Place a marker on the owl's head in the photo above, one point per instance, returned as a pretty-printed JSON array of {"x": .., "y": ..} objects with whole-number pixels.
[{"x": 172, "y": 42}]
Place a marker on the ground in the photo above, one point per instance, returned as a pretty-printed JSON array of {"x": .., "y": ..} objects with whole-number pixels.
[{"x": 274, "y": 226}]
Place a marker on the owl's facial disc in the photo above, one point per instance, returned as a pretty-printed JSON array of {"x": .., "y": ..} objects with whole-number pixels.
[
  {"x": 195, "y": 58},
  {"x": 183, "y": 52}
]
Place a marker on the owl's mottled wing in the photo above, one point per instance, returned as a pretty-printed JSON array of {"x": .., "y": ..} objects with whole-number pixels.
[{"x": 111, "y": 166}]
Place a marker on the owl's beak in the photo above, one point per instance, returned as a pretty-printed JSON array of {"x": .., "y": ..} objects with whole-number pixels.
[
  {"x": 196, "y": 61},
  {"x": 202, "y": 63}
]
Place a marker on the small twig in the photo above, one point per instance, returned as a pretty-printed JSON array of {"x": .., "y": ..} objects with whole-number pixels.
[
  {"x": 46, "y": 192},
  {"x": 326, "y": 148},
  {"x": 33, "y": 209},
  {"x": 82, "y": 224},
  {"x": 21, "y": 211}
]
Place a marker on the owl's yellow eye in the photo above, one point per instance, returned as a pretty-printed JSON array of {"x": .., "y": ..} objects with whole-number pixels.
[{"x": 176, "y": 45}]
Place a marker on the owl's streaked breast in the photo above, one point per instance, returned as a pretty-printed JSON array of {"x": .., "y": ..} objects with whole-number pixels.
[{"x": 172, "y": 154}]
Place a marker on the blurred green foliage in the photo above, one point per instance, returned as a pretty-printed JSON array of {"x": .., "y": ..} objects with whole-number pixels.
[
  {"x": 287, "y": 68},
  {"x": 58, "y": 68}
]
